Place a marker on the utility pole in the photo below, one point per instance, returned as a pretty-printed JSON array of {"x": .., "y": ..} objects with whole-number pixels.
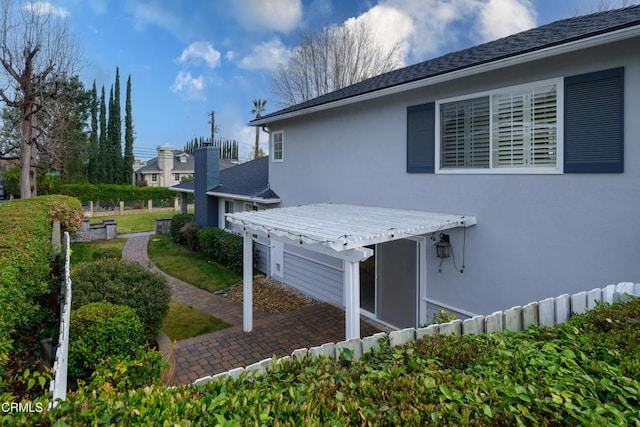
[{"x": 213, "y": 125}]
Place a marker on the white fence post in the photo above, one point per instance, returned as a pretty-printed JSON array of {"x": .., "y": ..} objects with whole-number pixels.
[{"x": 549, "y": 311}]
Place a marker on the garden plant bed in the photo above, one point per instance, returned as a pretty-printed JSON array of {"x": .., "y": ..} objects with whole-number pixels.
[{"x": 271, "y": 296}]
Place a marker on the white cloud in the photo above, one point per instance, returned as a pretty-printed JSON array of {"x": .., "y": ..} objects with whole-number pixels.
[
  {"x": 439, "y": 26},
  {"x": 390, "y": 27},
  {"x": 500, "y": 18},
  {"x": 46, "y": 8},
  {"x": 200, "y": 51},
  {"x": 276, "y": 15},
  {"x": 230, "y": 55},
  {"x": 266, "y": 55},
  {"x": 189, "y": 87}
]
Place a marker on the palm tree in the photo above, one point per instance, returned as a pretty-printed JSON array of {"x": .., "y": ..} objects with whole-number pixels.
[{"x": 258, "y": 108}]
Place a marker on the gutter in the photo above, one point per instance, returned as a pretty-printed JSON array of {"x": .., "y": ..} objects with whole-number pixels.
[
  {"x": 244, "y": 198},
  {"x": 598, "y": 40}
]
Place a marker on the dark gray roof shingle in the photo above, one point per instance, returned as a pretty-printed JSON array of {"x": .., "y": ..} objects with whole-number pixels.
[
  {"x": 250, "y": 179},
  {"x": 553, "y": 34}
]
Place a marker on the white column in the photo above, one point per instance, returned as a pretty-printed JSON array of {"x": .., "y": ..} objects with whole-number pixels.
[
  {"x": 352, "y": 299},
  {"x": 247, "y": 282}
]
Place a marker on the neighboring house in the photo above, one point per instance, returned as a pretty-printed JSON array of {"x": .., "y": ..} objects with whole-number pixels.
[
  {"x": 167, "y": 169},
  {"x": 170, "y": 167},
  {"x": 536, "y": 135}
]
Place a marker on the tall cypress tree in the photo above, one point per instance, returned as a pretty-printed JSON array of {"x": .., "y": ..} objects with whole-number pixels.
[
  {"x": 127, "y": 172},
  {"x": 103, "y": 160},
  {"x": 94, "y": 143},
  {"x": 110, "y": 144},
  {"x": 117, "y": 131},
  {"x": 114, "y": 142}
]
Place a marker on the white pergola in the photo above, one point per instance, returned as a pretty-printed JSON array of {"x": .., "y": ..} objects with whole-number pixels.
[{"x": 339, "y": 230}]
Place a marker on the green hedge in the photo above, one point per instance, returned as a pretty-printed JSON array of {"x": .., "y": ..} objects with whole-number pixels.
[
  {"x": 123, "y": 283},
  {"x": 100, "y": 331},
  {"x": 115, "y": 193},
  {"x": 224, "y": 247},
  {"x": 25, "y": 251},
  {"x": 585, "y": 372}
]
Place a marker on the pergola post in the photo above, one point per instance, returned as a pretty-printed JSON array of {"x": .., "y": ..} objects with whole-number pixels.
[
  {"x": 247, "y": 282},
  {"x": 352, "y": 298}
]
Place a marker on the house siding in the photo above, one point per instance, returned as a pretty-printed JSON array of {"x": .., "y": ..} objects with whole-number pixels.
[
  {"x": 262, "y": 247},
  {"x": 313, "y": 274},
  {"x": 537, "y": 235}
]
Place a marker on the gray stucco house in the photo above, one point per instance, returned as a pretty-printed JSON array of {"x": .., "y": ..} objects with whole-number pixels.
[{"x": 520, "y": 157}]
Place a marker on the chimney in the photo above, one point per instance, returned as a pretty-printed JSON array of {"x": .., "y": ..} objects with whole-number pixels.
[
  {"x": 205, "y": 178},
  {"x": 165, "y": 164}
]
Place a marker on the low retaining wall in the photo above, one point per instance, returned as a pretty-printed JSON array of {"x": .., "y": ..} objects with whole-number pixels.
[
  {"x": 163, "y": 226},
  {"x": 90, "y": 232},
  {"x": 548, "y": 312}
]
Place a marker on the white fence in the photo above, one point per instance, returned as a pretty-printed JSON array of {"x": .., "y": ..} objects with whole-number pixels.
[
  {"x": 548, "y": 312},
  {"x": 58, "y": 386}
]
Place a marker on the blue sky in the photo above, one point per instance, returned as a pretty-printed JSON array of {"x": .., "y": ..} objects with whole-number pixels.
[{"x": 188, "y": 58}]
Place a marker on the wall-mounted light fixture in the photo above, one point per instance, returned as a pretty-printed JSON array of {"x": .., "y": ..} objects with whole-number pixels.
[{"x": 443, "y": 247}]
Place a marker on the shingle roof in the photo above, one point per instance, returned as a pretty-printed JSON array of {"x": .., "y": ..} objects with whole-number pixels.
[
  {"x": 553, "y": 34},
  {"x": 250, "y": 179},
  {"x": 152, "y": 165}
]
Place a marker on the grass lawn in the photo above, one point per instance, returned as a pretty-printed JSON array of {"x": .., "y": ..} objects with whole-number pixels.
[
  {"x": 136, "y": 223},
  {"x": 191, "y": 267},
  {"x": 83, "y": 252},
  {"x": 184, "y": 322}
]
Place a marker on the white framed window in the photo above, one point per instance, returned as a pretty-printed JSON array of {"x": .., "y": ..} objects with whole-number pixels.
[
  {"x": 228, "y": 209},
  {"x": 177, "y": 177},
  {"x": 508, "y": 130},
  {"x": 154, "y": 177},
  {"x": 277, "y": 146}
]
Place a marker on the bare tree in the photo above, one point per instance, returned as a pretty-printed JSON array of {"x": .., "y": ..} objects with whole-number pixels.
[
  {"x": 329, "y": 59},
  {"x": 37, "y": 51},
  {"x": 602, "y": 6}
]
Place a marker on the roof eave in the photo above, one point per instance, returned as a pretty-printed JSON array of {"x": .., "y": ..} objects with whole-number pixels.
[
  {"x": 585, "y": 43},
  {"x": 244, "y": 198},
  {"x": 181, "y": 190}
]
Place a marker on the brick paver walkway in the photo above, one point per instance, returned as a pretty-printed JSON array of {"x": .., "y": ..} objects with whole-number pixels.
[{"x": 273, "y": 334}]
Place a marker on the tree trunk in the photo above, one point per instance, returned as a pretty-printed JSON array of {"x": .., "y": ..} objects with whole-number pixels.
[
  {"x": 257, "y": 148},
  {"x": 25, "y": 168}
]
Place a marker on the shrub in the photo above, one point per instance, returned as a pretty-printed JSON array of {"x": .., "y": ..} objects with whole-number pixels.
[
  {"x": 223, "y": 247},
  {"x": 123, "y": 283},
  {"x": 126, "y": 373},
  {"x": 177, "y": 222},
  {"x": 107, "y": 253},
  {"x": 209, "y": 240},
  {"x": 115, "y": 192},
  {"x": 189, "y": 233},
  {"x": 99, "y": 331},
  {"x": 25, "y": 255},
  {"x": 544, "y": 376}
]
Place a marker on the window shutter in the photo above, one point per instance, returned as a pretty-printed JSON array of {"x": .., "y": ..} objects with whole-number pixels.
[
  {"x": 594, "y": 122},
  {"x": 421, "y": 138},
  {"x": 524, "y": 128},
  {"x": 465, "y": 135}
]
